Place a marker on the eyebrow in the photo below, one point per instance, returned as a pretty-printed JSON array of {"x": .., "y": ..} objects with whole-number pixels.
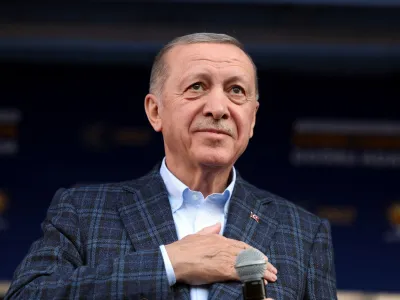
[
  {"x": 192, "y": 77},
  {"x": 236, "y": 78},
  {"x": 206, "y": 76}
]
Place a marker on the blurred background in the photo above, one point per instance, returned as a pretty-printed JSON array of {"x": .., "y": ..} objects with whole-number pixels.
[{"x": 74, "y": 77}]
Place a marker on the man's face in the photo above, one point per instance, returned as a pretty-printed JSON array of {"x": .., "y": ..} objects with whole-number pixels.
[{"x": 208, "y": 104}]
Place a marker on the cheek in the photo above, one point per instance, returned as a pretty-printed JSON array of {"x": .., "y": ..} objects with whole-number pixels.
[
  {"x": 243, "y": 121},
  {"x": 190, "y": 113},
  {"x": 181, "y": 116}
]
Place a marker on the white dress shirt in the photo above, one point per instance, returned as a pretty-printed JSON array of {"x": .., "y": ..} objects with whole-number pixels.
[{"x": 191, "y": 213}]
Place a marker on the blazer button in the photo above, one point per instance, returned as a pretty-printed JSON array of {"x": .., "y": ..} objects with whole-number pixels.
[{"x": 143, "y": 298}]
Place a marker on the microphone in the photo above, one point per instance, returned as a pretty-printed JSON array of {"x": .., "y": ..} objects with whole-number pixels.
[{"x": 250, "y": 266}]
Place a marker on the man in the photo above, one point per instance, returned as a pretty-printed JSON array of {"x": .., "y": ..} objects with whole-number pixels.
[{"x": 176, "y": 232}]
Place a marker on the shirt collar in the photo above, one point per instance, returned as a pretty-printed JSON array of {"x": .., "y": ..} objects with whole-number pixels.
[{"x": 176, "y": 188}]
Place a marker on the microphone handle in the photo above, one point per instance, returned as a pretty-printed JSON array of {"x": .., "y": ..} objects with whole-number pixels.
[{"x": 254, "y": 290}]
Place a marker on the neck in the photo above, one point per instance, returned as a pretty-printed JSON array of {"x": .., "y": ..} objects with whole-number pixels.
[{"x": 205, "y": 179}]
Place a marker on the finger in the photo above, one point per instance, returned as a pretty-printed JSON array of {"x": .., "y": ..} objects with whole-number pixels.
[
  {"x": 271, "y": 267},
  {"x": 265, "y": 281},
  {"x": 269, "y": 299},
  {"x": 216, "y": 228},
  {"x": 271, "y": 277}
]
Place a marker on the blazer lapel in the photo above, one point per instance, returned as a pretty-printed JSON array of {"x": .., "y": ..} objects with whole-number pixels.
[
  {"x": 241, "y": 226},
  {"x": 146, "y": 214}
]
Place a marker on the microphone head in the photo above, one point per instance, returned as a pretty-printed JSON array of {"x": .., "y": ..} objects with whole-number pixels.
[{"x": 250, "y": 265}]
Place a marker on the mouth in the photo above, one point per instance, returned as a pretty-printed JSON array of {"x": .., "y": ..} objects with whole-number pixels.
[{"x": 215, "y": 131}]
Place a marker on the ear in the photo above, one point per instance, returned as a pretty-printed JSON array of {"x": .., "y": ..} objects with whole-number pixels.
[
  {"x": 257, "y": 105},
  {"x": 152, "y": 108}
]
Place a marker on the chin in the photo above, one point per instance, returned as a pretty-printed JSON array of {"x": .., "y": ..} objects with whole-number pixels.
[{"x": 214, "y": 158}]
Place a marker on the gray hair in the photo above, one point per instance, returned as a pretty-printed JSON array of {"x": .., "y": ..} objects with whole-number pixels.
[{"x": 159, "y": 71}]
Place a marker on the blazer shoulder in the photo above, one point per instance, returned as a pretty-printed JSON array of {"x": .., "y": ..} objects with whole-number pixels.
[
  {"x": 283, "y": 205},
  {"x": 106, "y": 195}
]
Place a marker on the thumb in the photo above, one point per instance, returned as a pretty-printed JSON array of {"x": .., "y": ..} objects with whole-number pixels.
[{"x": 216, "y": 228}]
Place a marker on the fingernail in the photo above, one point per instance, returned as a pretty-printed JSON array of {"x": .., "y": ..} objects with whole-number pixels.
[{"x": 275, "y": 277}]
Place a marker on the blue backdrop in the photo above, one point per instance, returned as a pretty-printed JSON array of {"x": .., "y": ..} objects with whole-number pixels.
[{"x": 76, "y": 124}]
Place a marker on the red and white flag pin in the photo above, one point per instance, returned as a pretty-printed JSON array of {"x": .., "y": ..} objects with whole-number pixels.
[{"x": 254, "y": 217}]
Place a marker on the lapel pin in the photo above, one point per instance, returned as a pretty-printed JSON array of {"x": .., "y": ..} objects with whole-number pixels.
[{"x": 254, "y": 217}]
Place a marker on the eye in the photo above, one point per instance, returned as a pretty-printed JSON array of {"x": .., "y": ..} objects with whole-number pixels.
[
  {"x": 198, "y": 86},
  {"x": 237, "y": 90}
]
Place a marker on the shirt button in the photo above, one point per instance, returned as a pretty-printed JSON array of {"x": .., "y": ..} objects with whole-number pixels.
[{"x": 195, "y": 197}]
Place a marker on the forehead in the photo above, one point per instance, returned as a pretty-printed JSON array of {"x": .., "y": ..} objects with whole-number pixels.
[{"x": 219, "y": 56}]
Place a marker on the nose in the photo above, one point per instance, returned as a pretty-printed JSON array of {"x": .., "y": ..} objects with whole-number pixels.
[{"x": 216, "y": 105}]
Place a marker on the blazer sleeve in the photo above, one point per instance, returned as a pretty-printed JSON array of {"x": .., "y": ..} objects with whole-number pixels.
[
  {"x": 321, "y": 275},
  {"x": 54, "y": 267}
]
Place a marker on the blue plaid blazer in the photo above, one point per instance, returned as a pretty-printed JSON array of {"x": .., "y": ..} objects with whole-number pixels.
[{"x": 102, "y": 242}]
